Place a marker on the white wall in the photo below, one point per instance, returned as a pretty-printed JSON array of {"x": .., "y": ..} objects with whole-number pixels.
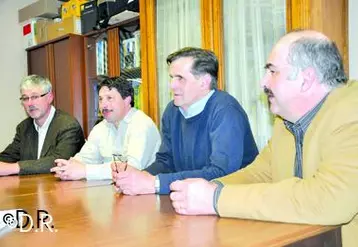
[
  {"x": 353, "y": 39},
  {"x": 12, "y": 66}
]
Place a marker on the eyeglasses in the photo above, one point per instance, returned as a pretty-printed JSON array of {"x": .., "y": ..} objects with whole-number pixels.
[
  {"x": 33, "y": 97},
  {"x": 119, "y": 158}
]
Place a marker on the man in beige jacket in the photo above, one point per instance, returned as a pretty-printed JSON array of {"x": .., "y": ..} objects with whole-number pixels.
[{"x": 308, "y": 172}]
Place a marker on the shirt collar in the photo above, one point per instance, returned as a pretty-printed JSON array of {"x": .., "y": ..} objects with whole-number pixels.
[
  {"x": 306, "y": 119},
  {"x": 127, "y": 118},
  {"x": 48, "y": 120},
  {"x": 197, "y": 107}
]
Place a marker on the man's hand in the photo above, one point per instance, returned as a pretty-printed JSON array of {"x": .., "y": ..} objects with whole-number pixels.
[
  {"x": 119, "y": 167},
  {"x": 132, "y": 181},
  {"x": 193, "y": 196},
  {"x": 71, "y": 169},
  {"x": 9, "y": 168}
]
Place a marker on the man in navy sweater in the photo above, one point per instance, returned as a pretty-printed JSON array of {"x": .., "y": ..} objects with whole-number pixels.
[{"x": 205, "y": 132}]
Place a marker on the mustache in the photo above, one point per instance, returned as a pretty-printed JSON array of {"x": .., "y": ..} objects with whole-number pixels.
[
  {"x": 268, "y": 92},
  {"x": 31, "y": 107},
  {"x": 106, "y": 110}
]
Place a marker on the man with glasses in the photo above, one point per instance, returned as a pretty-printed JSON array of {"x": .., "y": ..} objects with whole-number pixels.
[
  {"x": 47, "y": 134},
  {"x": 126, "y": 135}
]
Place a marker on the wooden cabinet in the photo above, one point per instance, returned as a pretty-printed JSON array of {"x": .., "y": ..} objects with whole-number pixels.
[
  {"x": 115, "y": 51},
  {"x": 62, "y": 61}
]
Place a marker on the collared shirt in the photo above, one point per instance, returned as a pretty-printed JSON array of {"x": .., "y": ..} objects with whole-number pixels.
[
  {"x": 197, "y": 107},
  {"x": 42, "y": 130},
  {"x": 135, "y": 137},
  {"x": 298, "y": 129}
]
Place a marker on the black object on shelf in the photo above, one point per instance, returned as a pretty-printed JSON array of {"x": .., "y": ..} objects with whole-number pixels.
[
  {"x": 107, "y": 9},
  {"x": 89, "y": 17}
]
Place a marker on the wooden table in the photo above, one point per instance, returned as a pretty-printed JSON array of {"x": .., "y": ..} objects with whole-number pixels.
[{"x": 92, "y": 214}]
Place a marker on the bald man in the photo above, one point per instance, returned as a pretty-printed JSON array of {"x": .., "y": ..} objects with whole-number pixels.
[{"x": 308, "y": 172}]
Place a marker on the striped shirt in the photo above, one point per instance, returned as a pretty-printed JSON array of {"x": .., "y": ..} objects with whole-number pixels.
[{"x": 298, "y": 129}]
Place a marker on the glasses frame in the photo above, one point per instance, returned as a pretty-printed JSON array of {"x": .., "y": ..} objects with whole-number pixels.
[
  {"x": 120, "y": 158},
  {"x": 25, "y": 99}
]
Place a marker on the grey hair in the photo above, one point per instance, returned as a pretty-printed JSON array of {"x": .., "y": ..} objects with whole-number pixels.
[
  {"x": 320, "y": 54},
  {"x": 32, "y": 81}
]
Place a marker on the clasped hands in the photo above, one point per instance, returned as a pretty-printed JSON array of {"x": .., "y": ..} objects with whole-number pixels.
[{"x": 71, "y": 169}]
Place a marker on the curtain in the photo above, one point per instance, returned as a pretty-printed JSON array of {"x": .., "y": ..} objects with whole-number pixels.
[
  {"x": 251, "y": 28},
  {"x": 178, "y": 26}
]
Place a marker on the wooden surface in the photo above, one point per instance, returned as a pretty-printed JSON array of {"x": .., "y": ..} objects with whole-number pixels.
[
  {"x": 327, "y": 16},
  {"x": 212, "y": 33},
  {"x": 113, "y": 52},
  {"x": 148, "y": 63},
  {"x": 92, "y": 214}
]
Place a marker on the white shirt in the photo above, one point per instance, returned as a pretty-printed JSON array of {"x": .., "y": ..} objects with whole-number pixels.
[
  {"x": 42, "y": 130},
  {"x": 197, "y": 107},
  {"x": 136, "y": 137}
]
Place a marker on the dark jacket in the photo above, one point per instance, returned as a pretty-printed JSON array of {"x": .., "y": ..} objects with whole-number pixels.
[{"x": 64, "y": 138}]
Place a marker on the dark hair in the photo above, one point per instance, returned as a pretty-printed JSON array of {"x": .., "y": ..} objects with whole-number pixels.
[
  {"x": 205, "y": 61},
  {"x": 320, "y": 54},
  {"x": 121, "y": 83}
]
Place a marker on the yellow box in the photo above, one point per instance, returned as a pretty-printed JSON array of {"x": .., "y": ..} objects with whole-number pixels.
[
  {"x": 72, "y": 8},
  {"x": 66, "y": 10},
  {"x": 68, "y": 25},
  {"x": 76, "y": 7}
]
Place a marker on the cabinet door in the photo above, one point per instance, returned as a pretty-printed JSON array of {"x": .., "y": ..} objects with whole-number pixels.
[
  {"x": 68, "y": 57},
  {"x": 37, "y": 62},
  {"x": 63, "y": 88},
  {"x": 95, "y": 65}
]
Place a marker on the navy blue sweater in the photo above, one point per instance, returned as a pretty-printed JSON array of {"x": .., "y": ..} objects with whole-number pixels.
[{"x": 212, "y": 144}]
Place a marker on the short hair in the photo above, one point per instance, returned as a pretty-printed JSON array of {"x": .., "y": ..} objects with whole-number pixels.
[
  {"x": 320, "y": 54},
  {"x": 32, "y": 81},
  {"x": 204, "y": 61},
  {"x": 121, "y": 83}
]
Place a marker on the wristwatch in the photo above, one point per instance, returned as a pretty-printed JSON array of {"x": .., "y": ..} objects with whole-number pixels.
[{"x": 157, "y": 184}]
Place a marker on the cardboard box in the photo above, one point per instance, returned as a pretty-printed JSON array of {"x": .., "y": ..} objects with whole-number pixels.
[
  {"x": 65, "y": 10},
  {"x": 35, "y": 31},
  {"x": 76, "y": 7},
  {"x": 41, "y": 8},
  {"x": 71, "y": 8},
  {"x": 68, "y": 25}
]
